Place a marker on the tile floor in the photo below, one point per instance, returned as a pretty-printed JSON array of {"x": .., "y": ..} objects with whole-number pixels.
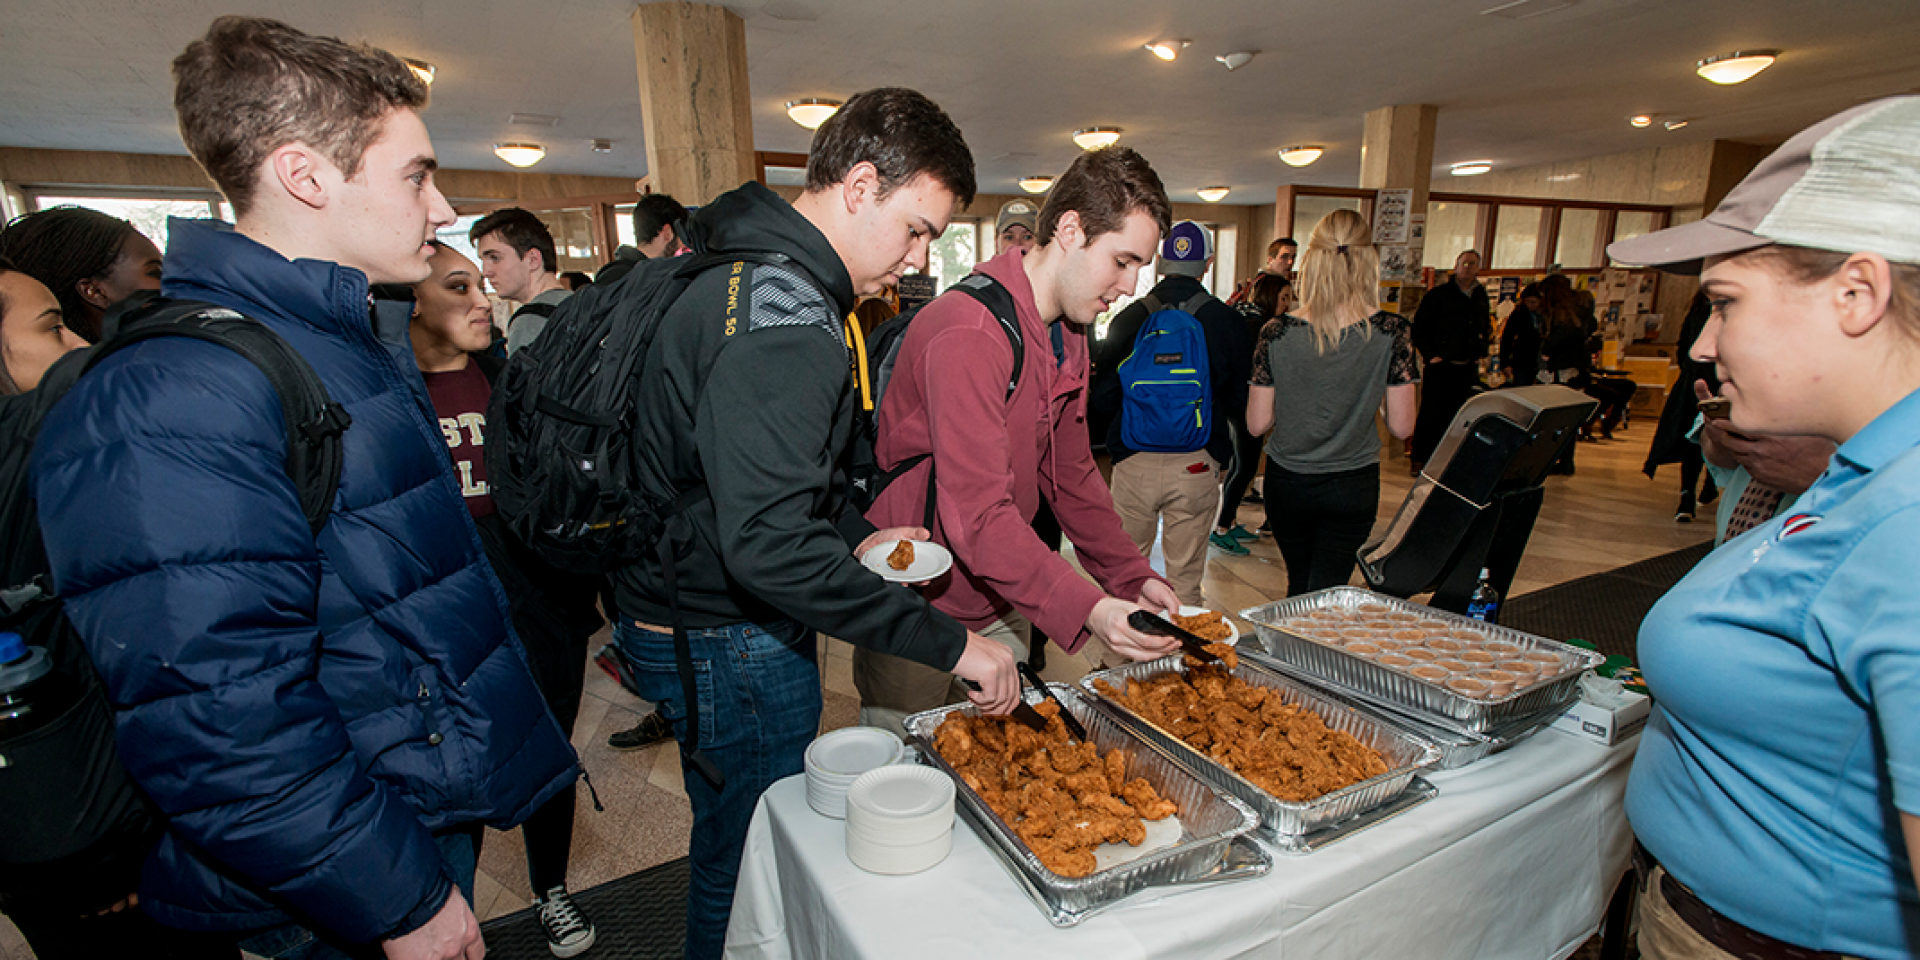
[{"x": 1606, "y": 515}]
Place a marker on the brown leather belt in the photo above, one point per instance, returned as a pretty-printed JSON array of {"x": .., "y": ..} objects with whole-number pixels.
[{"x": 1717, "y": 928}]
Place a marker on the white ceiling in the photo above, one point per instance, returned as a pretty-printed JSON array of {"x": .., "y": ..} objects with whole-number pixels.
[{"x": 1020, "y": 75}]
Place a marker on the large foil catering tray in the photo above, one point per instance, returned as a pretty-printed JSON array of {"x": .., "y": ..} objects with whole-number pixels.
[
  {"x": 1432, "y": 702},
  {"x": 1213, "y": 846},
  {"x": 1282, "y": 822}
]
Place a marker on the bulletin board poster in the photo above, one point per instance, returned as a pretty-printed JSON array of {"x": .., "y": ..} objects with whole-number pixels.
[
  {"x": 915, "y": 289},
  {"x": 1392, "y": 213},
  {"x": 1509, "y": 290},
  {"x": 1397, "y": 264}
]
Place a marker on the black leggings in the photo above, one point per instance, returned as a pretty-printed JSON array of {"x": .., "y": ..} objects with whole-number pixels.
[
  {"x": 1320, "y": 521},
  {"x": 1246, "y": 462}
]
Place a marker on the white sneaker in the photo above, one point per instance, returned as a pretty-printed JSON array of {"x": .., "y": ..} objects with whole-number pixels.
[{"x": 568, "y": 933}]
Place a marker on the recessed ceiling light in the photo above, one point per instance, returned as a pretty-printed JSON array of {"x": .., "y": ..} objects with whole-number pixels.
[
  {"x": 1640, "y": 120},
  {"x": 1036, "y": 184},
  {"x": 602, "y": 146},
  {"x": 1563, "y": 177},
  {"x": 1167, "y": 49},
  {"x": 1234, "y": 61},
  {"x": 1472, "y": 168},
  {"x": 1213, "y": 194},
  {"x": 1675, "y": 124},
  {"x": 1301, "y": 154},
  {"x": 421, "y": 69},
  {"x": 520, "y": 154},
  {"x": 1093, "y": 138},
  {"x": 812, "y": 111},
  {"x": 1736, "y": 67}
]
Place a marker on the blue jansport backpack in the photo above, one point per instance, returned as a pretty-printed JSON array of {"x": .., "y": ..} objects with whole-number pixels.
[{"x": 1166, "y": 393}]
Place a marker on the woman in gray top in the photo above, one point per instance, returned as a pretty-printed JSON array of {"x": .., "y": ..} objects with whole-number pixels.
[{"x": 1319, "y": 374}]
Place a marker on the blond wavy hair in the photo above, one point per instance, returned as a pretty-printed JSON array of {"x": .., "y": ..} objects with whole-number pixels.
[{"x": 1339, "y": 276}]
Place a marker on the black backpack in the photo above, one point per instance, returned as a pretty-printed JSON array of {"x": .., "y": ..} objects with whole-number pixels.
[
  {"x": 883, "y": 353},
  {"x": 77, "y": 821}
]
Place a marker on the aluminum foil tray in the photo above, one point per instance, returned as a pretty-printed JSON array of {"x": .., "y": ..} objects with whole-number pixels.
[
  {"x": 1212, "y": 846},
  {"x": 1427, "y": 701},
  {"x": 1281, "y": 822}
]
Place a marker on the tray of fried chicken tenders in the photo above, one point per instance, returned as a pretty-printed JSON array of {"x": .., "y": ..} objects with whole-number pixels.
[
  {"x": 1459, "y": 673},
  {"x": 1312, "y": 767},
  {"x": 1081, "y": 825}
]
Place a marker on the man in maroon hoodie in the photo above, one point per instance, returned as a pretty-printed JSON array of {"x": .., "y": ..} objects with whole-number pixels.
[{"x": 995, "y": 456}]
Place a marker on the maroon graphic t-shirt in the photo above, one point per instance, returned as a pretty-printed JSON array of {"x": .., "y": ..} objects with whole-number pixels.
[{"x": 460, "y": 401}]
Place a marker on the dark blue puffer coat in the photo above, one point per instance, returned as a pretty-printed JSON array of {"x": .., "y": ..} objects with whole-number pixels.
[{"x": 306, "y": 710}]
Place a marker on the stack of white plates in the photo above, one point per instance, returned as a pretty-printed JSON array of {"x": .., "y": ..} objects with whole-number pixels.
[
  {"x": 899, "y": 819},
  {"x": 837, "y": 759}
]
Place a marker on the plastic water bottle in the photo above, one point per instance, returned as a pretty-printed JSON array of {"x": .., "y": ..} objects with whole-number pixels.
[
  {"x": 32, "y": 693},
  {"x": 1485, "y": 602}
]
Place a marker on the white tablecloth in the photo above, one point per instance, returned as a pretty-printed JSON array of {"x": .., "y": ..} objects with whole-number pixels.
[{"x": 1516, "y": 857}]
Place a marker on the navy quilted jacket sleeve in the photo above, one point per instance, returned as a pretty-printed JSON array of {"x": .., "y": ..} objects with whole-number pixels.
[{"x": 178, "y": 540}]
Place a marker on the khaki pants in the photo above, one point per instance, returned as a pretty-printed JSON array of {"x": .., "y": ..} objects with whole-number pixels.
[
  {"x": 895, "y": 688},
  {"x": 1160, "y": 492},
  {"x": 1664, "y": 935}
]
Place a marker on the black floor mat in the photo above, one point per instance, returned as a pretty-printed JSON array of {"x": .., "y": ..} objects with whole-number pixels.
[
  {"x": 1604, "y": 609},
  {"x": 641, "y": 916}
]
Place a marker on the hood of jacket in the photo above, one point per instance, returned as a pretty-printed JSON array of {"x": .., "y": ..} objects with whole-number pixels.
[{"x": 752, "y": 218}]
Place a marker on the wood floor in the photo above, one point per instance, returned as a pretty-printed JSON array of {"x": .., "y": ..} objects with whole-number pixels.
[{"x": 1605, "y": 515}]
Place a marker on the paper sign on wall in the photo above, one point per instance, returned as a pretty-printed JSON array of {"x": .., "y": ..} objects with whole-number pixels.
[{"x": 1391, "y": 212}]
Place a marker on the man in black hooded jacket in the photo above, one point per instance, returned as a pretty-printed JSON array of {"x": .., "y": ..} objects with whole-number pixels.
[{"x": 750, "y": 393}]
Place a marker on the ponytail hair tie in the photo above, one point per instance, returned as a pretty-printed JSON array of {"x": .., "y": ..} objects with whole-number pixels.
[{"x": 1340, "y": 249}]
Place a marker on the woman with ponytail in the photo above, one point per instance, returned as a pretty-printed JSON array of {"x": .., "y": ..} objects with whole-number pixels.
[{"x": 1319, "y": 374}]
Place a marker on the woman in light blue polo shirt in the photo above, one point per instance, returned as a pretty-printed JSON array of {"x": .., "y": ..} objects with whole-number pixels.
[{"x": 1777, "y": 787}]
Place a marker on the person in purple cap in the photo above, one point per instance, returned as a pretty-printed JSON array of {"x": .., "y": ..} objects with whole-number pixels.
[{"x": 1776, "y": 792}]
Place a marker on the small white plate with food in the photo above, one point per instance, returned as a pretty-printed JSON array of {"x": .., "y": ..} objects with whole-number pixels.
[
  {"x": 1207, "y": 625},
  {"x": 908, "y": 561}
]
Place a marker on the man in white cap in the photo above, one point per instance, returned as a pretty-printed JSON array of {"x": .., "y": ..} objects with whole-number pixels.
[{"x": 1015, "y": 226}]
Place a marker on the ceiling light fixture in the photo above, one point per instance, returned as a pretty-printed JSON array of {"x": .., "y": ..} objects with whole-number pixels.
[
  {"x": 1472, "y": 168},
  {"x": 1035, "y": 184},
  {"x": 1167, "y": 49},
  {"x": 1234, "y": 61},
  {"x": 602, "y": 146},
  {"x": 1301, "y": 155},
  {"x": 421, "y": 69},
  {"x": 1093, "y": 138},
  {"x": 1213, "y": 194},
  {"x": 812, "y": 111},
  {"x": 1640, "y": 120},
  {"x": 520, "y": 154},
  {"x": 1736, "y": 67},
  {"x": 1675, "y": 124}
]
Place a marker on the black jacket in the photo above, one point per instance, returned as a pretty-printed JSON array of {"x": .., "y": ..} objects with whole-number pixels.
[
  {"x": 1454, "y": 326},
  {"x": 1520, "y": 346},
  {"x": 1229, "y": 364},
  {"x": 748, "y": 391}
]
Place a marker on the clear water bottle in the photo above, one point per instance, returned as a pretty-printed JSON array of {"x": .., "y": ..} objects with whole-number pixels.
[
  {"x": 1485, "y": 602},
  {"x": 32, "y": 693}
]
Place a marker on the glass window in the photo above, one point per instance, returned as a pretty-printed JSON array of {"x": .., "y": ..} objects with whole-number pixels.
[
  {"x": 1632, "y": 223},
  {"x": 953, "y": 255},
  {"x": 1516, "y": 241},
  {"x": 1579, "y": 245},
  {"x": 149, "y": 216},
  {"x": 455, "y": 235},
  {"x": 1451, "y": 227},
  {"x": 1226, "y": 247},
  {"x": 623, "y": 226},
  {"x": 572, "y": 230},
  {"x": 1308, "y": 211}
]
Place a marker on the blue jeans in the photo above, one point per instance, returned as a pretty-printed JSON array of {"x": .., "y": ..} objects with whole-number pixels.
[
  {"x": 759, "y": 692},
  {"x": 459, "y": 846}
]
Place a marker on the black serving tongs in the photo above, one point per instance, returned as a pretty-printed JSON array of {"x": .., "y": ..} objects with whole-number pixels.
[
  {"x": 1148, "y": 622},
  {"x": 1026, "y": 714}
]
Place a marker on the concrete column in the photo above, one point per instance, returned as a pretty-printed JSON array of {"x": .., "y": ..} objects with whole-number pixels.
[
  {"x": 694, "y": 103},
  {"x": 1397, "y": 150}
]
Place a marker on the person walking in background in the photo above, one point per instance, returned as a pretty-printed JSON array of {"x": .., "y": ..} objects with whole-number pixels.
[
  {"x": 552, "y": 609},
  {"x": 655, "y": 219},
  {"x": 1451, "y": 329},
  {"x": 1671, "y": 443},
  {"x": 1280, "y": 257},
  {"x": 89, "y": 260},
  {"x": 1520, "y": 339},
  {"x": 1319, "y": 376},
  {"x": 1270, "y": 296},
  {"x": 517, "y": 256},
  {"x": 327, "y": 717}
]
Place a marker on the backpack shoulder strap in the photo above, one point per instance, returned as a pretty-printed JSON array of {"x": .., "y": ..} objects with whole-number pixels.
[
  {"x": 1195, "y": 302},
  {"x": 314, "y": 422},
  {"x": 536, "y": 309},
  {"x": 999, "y": 301}
]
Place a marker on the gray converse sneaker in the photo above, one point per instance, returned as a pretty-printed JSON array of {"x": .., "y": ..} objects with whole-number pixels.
[{"x": 568, "y": 933}]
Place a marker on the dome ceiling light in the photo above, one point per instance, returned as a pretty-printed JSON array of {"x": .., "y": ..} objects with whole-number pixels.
[
  {"x": 1737, "y": 67},
  {"x": 1234, "y": 61},
  {"x": 1036, "y": 184},
  {"x": 1640, "y": 120},
  {"x": 1301, "y": 155},
  {"x": 1167, "y": 49},
  {"x": 1093, "y": 138},
  {"x": 520, "y": 154},
  {"x": 1472, "y": 168},
  {"x": 811, "y": 112},
  {"x": 1213, "y": 194}
]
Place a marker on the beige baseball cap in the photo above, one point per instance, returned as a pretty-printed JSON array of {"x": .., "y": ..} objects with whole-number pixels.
[
  {"x": 1850, "y": 183},
  {"x": 1017, "y": 211}
]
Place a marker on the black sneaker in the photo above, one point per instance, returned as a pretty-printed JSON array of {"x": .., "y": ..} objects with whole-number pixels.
[
  {"x": 568, "y": 933},
  {"x": 651, "y": 729}
]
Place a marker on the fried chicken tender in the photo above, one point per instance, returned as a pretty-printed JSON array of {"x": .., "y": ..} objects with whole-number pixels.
[
  {"x": 902, "y": 555},
  {"x": 1282, "y": 748},
  {"x": 1207, "y": 625},
  {"x": 1060, "y": 797}
]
